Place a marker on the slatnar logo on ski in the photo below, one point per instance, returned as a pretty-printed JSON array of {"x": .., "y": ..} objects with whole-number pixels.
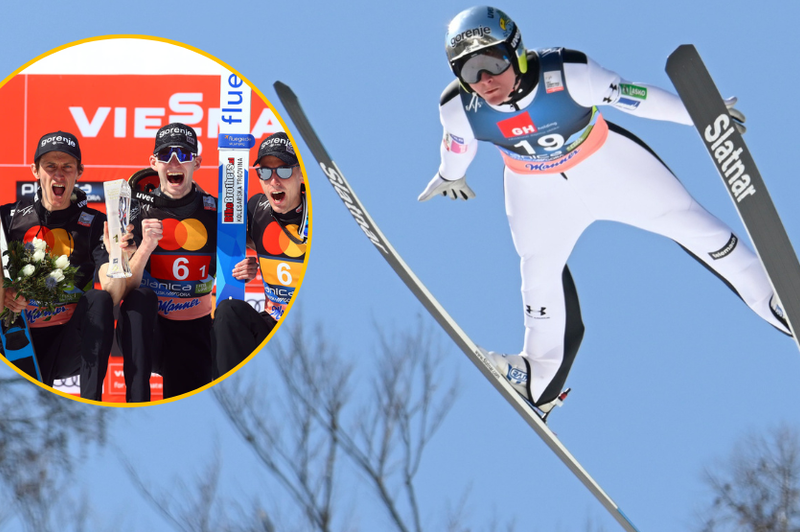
[
  {"x": 726, "y": 155},
  {"x": 347, "y": 195}
]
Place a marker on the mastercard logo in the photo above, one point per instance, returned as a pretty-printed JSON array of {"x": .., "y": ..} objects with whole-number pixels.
[
  {"x": 59, "y": 241},
  {"x": 189, "y": 234},
  {"x": 276, "y": 242}
]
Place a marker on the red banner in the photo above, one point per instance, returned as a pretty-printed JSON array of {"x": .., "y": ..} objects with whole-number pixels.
[{"x": 115, "y": 118}]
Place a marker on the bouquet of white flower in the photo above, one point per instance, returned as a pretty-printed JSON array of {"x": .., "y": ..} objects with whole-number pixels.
[{"x": 36, "y": 275}]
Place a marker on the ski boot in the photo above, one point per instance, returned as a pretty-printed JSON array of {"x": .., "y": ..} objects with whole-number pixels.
[{"x": 516, "y": 370}]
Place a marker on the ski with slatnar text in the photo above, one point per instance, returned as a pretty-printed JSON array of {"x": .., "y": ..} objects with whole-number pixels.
[
  {"x": 234, "y": 143},
  {"x": 741, "y": 177},
  {"x": 16, "y": 339},
  {"x": 371, "y": 231}
]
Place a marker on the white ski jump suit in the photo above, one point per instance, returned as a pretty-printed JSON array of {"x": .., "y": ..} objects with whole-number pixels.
[{"x": 566, "y": 167}]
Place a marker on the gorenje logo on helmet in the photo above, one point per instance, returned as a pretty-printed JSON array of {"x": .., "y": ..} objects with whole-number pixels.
[{"x": 480, "y": 31}]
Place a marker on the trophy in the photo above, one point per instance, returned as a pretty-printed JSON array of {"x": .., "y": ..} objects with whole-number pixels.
[{"x": 118, "y": 208}]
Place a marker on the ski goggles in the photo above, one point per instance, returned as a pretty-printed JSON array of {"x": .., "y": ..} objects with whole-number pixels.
[
  {"x": 284, "y": 172},
  {"x": 492, "y": 63},
  {"x": 183, "y": 155}
]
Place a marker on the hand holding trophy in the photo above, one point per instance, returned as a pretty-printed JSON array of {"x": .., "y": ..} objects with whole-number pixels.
[{"x": 118, "y": 206}]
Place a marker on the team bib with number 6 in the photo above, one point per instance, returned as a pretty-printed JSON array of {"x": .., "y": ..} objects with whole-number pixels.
[
  {"x": 281, "y": 277},
  {"x": 281, "y": 249},
  {"x": 182, "y": 268}
]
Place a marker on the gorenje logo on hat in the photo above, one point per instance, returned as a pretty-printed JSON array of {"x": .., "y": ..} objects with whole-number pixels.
[
  {"x": 60, "y": 140},
  {"x": 277, "y": 140},
  {"x": 188, "y": 133},
  {"x": 176, "y": 130}
]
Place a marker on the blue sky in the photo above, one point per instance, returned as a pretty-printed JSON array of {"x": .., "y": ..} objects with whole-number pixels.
[{"x": 673, "y": 368}]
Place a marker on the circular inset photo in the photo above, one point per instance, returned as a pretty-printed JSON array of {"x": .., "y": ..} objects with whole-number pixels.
[{"x": 155, "y": 220}]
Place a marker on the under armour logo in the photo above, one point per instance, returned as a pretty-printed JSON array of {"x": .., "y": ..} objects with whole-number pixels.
[
  {"x": 530, "y": 311},
  {"x": 610, "y": 98}
]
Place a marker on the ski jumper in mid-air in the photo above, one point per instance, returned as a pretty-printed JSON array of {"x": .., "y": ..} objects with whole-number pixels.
[{"x": 565, "y": 167}]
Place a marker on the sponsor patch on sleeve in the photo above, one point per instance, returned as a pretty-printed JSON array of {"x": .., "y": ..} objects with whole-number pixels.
[
  {"x": 553, "y": 81},
  {"x": 454, "y": 144},
  {"x": 725, "y": 250},
  {"x": 634, "y": 91},
  {"x": 628, "y": 103},
  {"x": 208, "y": 203},
  {"x": 86, "y": 219}
]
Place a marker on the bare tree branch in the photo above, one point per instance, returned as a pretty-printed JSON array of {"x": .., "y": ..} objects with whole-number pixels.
[
  {"x": 300, "y": 424},
  {"x": 42, "y": 437},
  {"x": 299, "y": 452},
  {"x": 758, "y": 488},
  {"x": 385, "y": 438},
  {"x": 199, "y": 507}
]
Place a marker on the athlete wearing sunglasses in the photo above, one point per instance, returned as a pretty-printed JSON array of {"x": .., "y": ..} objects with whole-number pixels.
[
  {"x": 165, "y": 318},
  {"x": 175, "y": 159},
  {"x": 273, "y": 160},
  {"x": 182, "y": 154},
  {"x": 277, "y": 228},
  {"x": 265, "y": 173}
]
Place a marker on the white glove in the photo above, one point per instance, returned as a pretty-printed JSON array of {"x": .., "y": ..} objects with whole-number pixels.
[
  {"x": 457, "y": 189},
  {"x": 737, "y": 115}
]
